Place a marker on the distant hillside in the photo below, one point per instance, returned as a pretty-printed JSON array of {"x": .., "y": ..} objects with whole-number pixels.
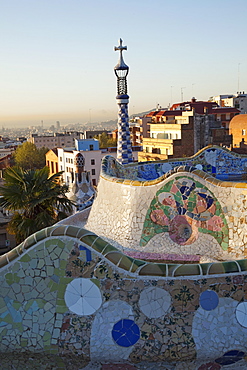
[{"x": 112, "y": 122}]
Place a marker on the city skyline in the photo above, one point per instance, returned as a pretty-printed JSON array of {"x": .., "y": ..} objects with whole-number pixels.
[{"x": 57, "y": 56}]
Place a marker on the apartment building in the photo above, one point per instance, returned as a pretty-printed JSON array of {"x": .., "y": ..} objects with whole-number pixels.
[
  {"x": 184, "y": 129},
  {"x": 62, "y": 140}
]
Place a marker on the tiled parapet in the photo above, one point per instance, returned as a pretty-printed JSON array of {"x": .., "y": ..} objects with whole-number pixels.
[
  {"x": 72, "y": 293},
  {"x": 184, "y": 211},
  {"x": 215, "y": 160}
]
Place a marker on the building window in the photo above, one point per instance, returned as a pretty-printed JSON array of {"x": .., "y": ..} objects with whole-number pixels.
[
  {"x": 61, "y": 159},
  {"x": 3, "y": 239},
  {"x": 243, "y": 132},
  {"x": 92, "y": 162},
  {"x": 94, "y": 182},
  {"x": 91, "y": 147},
  {"x": 93, "y": 171}
]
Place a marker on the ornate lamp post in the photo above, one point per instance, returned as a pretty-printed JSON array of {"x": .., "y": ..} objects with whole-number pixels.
[{"x": 124, "y": 150}]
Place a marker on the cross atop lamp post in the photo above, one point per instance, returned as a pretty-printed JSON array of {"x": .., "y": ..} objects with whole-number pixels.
[{"x": 124, "y": 150}]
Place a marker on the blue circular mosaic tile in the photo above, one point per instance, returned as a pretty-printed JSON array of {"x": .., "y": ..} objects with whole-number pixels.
[
  {"x": 125, "y": 333},
  {"x": 230, "y": 357},
  {"x": 209, "y": 300}
]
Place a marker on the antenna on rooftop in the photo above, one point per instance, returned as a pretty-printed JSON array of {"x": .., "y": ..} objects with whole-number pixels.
[
  {"x": 238, "y": 74},
  {"x": 182, "y": 95}
]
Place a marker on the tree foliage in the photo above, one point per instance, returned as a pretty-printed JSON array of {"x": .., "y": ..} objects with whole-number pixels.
[
  {"x": 36, "y": 200},
  {"x": 105, "y": 141},
  {"x": 28, "y": 156}
]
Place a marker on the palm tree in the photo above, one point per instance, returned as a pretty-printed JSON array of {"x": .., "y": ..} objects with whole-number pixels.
[{"x": 36, "y": 200}]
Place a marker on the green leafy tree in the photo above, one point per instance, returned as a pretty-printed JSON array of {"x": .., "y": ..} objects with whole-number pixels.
[
  {"x": 105, "y": 141},
  {"x": 36, "y": 200},
  {"x": 28, "y": 156}
]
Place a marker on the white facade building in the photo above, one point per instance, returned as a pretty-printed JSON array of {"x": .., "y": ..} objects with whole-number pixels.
[
  {"x": 238, "y": 101},
  {"x": 92, "y": 160}
]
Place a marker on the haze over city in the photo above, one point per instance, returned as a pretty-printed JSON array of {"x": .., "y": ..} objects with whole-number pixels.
[{"x": 57, "y": 56}]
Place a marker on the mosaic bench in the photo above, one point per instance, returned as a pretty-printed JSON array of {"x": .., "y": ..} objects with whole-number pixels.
[{"x": 67, "y": 292}]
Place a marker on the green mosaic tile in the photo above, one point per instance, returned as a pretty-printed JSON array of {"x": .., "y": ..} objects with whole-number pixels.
[
  {"x": 59, "y": 230},
  {"x": 171, "y": 268},
  {"x": 9, "y": 278},
  {"x": 24, "y": 343},
  {"x": 187, "y": 270},
  {"x": 230, "y": 266},
  {"x": 50, "y": 242},
  {"x": 82, "y": 232},
  {"x": 60, "y": 293},
  {"x": 153, "y": 269},
  {"x": 60, "y": 243},
  {"x": 99, "y": 245},
  {"x": 53, "y": 286},
  {"x": 109, "y": 248},
  {"x": 89, "y": 239},
  {"x": 137, "y": 264},
  {"x": 63, "y": 264},
  {"x": 126, "y": 263},
  {"x": 224, "y": 246},
  {"x": 114, "y": 257},
  {"x": 59, "y": 272},
  {"x": 72, "y": 231},
  {"x": 61, "y": 309},
  {"x": 17, "y": 305},
  {"x": 40, "y": 302},
  {"x": 18, "y": 326},
  {"x": 243, "y": 264},
  {"x": 65, "y": 281},
  {"x": 25, "y": 258},
  {"x": 40, "y": 235},
  {"x": 216, "y": 268},
  {"x": 8, "y": 319}
]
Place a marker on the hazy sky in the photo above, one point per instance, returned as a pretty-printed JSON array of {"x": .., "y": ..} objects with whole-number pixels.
[{"x": 57, "y": 56}]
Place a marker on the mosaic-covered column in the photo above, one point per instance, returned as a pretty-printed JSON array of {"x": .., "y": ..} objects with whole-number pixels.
[{"x": 124, "y": 150}]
